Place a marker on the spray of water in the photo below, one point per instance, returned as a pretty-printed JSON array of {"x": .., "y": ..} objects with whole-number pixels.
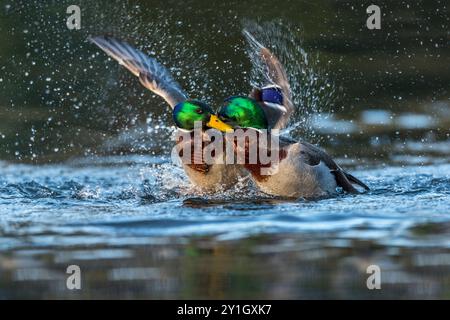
[
  {"x": 75, "y": 87},
  {"x": 312, "y": 90}
]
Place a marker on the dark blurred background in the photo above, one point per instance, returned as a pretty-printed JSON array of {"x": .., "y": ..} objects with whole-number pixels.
[
  {"x": 61, "y": 97},
  {"x": 377, "y": 100}
]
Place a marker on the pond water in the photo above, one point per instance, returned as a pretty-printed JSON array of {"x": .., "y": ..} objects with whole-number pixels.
[
  {"x": 85, "y": 176},
  {"x": 127, "y": 224}
]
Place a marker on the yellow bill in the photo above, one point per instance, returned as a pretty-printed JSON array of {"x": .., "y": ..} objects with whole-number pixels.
[{"x": 216, "y": 123}]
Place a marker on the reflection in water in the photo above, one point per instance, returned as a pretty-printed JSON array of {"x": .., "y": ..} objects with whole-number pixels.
[{"x": 266, "y": 266}]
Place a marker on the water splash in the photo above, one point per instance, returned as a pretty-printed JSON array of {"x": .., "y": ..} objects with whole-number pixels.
[
  {"x": 84, "y": 97},
  {"x": 312, "y": 89}
]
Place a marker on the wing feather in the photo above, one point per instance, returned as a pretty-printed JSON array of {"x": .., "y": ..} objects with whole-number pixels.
[
  {"x": 274, "y": 74},
  {"x": 152, "y": 75}
]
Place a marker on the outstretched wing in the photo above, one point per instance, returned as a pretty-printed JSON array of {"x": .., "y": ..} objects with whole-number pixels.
[
  {"x": 153, "y": 75},
  {"x": 313, "y": 155},
  {"x": 275, "y": 97}
]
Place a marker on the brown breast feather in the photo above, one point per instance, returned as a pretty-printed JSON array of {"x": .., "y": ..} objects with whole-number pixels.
[{"x": 197, "y": 162}]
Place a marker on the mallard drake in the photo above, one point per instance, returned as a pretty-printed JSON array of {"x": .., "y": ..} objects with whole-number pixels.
[
  {"x": 155, "y": 77},
  {"x": 301, "y": 169}
]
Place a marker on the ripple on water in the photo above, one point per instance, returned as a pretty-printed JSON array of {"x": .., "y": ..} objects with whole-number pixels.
[{"x": 85, "y": 203}]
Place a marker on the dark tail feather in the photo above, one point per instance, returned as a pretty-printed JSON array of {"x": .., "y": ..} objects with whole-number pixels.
[
  {"x": 357, "y": 181},
  {"x": 342, "y": 181}
]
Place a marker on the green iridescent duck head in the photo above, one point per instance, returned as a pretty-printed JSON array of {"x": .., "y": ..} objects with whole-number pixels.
[
  {"x": 186, "y": 113},
  {"x": 243, "y": 112}
]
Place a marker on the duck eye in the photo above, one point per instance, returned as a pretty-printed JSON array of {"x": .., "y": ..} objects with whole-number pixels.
[{"x": 199, "y": 111}]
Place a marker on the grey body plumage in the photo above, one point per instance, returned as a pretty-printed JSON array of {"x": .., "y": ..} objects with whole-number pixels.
[{"x": 305, "y": 170}]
